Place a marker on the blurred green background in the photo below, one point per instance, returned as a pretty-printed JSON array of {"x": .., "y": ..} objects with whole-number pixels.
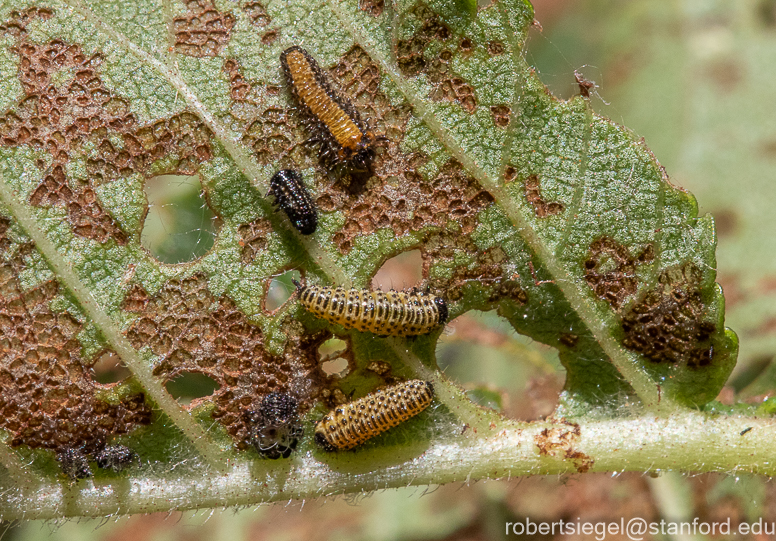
[{"x": 695, "y": 78}]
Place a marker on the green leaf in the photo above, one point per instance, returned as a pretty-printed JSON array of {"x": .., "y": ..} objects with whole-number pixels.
[{"x": 556, "y": 218}]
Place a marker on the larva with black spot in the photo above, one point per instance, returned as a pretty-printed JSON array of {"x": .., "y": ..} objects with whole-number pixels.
[
  {"x": 334, "y": 121},
  {"x": 291, "y": 195},
  {"x": 352, "y": 424},
  {"x": 385, "y": 313}
]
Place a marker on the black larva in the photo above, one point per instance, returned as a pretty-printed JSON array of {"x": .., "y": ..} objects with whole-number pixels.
[
  {"x": 292, "y": 196},
  {"x": 275, "y": 428},
  {"x": 74, "y": 463},
  {"x": 115, "y": 457}
]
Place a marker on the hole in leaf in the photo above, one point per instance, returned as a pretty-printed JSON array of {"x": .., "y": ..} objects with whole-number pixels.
[
  {"x": 487, "y": 397},
  {"x": 179, "y": 226},
  {"x": 190, "y": 385},
  {"x": 336, "y": 367},
  {"x": 331, "y": 355},
  {"x": 109, "y": 369},
  {"x": 331, "y": 349},
  {"x": 280, "y": 289},
  {"x": 501, "y": 368},
  {"x": 400, "y": 272}
]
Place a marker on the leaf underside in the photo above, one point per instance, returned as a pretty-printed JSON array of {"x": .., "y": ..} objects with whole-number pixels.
[{"x": 560, "y": 220}]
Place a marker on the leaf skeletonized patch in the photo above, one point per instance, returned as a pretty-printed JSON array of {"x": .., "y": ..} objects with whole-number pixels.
[
  {"x": 49, "y": 396},
  {"x": 63, "y": 119},
  {"x": 203, "y": 31},
  {"x": 195, "y": 332}
]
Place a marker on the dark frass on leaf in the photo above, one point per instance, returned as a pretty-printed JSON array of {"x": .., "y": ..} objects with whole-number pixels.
[
  {"x": 294, "y": 199},
  {"x": 275, "y": 427},
  {"x": 335, "y": 123},
  {"x": 74, "y": 464},
  {"x": 384, "y": 313},
  {"x": 352, "y": 424},
  {"x": 115, "y": 457}
]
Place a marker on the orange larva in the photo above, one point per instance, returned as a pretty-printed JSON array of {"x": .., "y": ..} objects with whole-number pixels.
[
  {"x": 334, "y": 121},
  {"x": 352, "y": 424},
  {"x": 385, "y": 313}
]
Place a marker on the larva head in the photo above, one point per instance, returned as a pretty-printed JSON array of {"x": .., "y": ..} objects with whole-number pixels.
[
  {"x": 320, "y": 438},
  {"x": 306, "y": 224},
  {"x": 442, "y": 307},
  {"x": 362, "y": 159}
]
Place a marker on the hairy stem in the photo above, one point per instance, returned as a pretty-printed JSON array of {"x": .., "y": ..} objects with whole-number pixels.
[
  {"x": 688, "y": 441},
  {"x": 23, "y": 479}
]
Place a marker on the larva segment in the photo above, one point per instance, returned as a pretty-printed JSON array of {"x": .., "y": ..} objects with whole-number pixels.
[
  {"x": 385, "y": 313},
  {"x": 352, "y": 424},
  {"x": 292, "y": 196},
  {"x": 334, "y": 121}
]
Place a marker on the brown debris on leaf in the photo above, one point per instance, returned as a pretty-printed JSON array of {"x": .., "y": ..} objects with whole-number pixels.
[
  {"x": 65, "y": 106},
  {"x": 560, "y": 442},
  {"x": 585, "y": 85},
  {"x": 670, "y": 324},
  {"x": 195, "y": 332},
  {"x": 49, "y": 393},
  {"x": 203, "y": 30},
  {"x": 610, "y": 270},
  {"x": 533, "y": 194},
  {"x": 410, "y": 55}
]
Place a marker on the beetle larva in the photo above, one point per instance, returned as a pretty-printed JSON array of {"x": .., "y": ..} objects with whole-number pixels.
[
  {"x": 291, "y": 195},
  {"x": 352, "y": 424},
  {"x": 385, "y": 313},
  {"x": 274, "y": 429},
  {"x": 333, "y": 120}
]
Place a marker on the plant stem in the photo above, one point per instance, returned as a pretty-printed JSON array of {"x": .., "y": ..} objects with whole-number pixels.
[{"x": 688, "y": 441}]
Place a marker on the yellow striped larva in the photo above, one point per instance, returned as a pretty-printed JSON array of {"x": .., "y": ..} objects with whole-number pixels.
[
  {"x": 354, "y": 423},
  {"x": 385, "y": 313}
]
